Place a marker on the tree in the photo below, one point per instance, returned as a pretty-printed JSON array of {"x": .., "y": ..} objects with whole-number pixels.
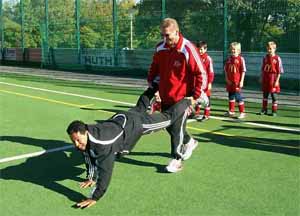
[
  {"x": 255, "y": 22},
  {"x": 251, "y": 22}
]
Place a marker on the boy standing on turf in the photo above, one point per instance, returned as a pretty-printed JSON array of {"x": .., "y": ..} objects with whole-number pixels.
[
  {"x": 235, "y": 69},
  {"x": 208, "y": 66},
  {"x": 270, "y": 75}
]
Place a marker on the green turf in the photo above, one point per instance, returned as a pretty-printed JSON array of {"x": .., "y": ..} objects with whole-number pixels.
[{"x": 238, "y": 169}]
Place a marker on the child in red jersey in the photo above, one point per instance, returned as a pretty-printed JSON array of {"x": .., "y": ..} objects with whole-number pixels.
[
  {"x": 270, "y": 75},
  {"x": 208, "y": 66},
  {"x": 235, "y": 69}
]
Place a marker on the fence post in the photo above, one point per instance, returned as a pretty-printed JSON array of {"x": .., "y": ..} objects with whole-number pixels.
[
  {"x": 46, "y": 28},
  {"x": 44, "y": 37},
  {"x": 115, "y": 30},
  {"x": 43, "y": 54},
  {"x": 2, "y": 32},
  {"x": 163, "y": 9},
  {"x": 22, "y": 29},
  {"x": 77, "y": 17},
  {"x": 225, "y": 14}
]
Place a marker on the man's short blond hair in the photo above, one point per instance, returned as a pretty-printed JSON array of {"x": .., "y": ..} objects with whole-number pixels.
[
  {"x": 236, "y": 45},
  {"x": 271, "y": 44},
  {"x": 167, "y": 22}
]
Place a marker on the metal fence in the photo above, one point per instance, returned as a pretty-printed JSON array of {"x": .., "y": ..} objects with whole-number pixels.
[{"x": 123, "y": 33}]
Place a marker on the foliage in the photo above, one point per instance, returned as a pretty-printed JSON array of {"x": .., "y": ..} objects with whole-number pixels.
[
  {"x": 12, "y": 33},
  {"x": 252, "y": 22}
]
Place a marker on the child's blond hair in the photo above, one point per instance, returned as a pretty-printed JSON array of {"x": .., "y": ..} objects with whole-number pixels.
[{"x": 237, "y": 45}]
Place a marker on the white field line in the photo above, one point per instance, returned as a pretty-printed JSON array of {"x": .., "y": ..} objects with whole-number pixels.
[
  {"x": 67, "y": 93},
  {"x": 112, "y": 101},
  {"x": 258, "y": 124},
  {"x": 34, "y": 154},
  {"x": 132, "y": 104}
]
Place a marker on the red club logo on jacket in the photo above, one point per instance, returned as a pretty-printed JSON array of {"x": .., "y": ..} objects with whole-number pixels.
[{"x": 177, "y": 63}]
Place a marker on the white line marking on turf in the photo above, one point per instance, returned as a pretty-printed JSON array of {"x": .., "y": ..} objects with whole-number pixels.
[
  {"x": 34, "y": 154},
  {"x": 131, "y": 104},
  {"x": 257, "y": 124},
  {"x": 66, "y": 93}
]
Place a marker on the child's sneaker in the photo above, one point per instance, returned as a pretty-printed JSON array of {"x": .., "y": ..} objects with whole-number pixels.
[
  {"x": 204, "y": 118},
  {"x": 229, "y": 114},
  {"x": 242, "y": 115},
  {"x": 263, "y": 112},
  {"x": 197, "y": 116}
]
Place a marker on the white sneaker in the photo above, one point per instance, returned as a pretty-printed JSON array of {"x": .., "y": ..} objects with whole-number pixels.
[
  {"x": 189, "y": 148},
  {"x": 242, "y": 115},
  {"x": 174, "y": 166}
]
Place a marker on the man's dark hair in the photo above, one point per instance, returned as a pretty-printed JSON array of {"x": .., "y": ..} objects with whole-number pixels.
[
  {"x": 76, "y": 126},
  {"x": 201, "y": 44}
]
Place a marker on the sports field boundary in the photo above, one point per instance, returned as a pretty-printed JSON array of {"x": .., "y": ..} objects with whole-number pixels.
[
  {"x": 286, "y": 97},
  {"x": 132, "y": 104},
  {"x": 34, "y": 154},
  {"x": 39, "y": 153}
]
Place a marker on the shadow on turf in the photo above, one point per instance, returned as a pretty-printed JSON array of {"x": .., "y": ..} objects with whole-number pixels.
[
  {"x": 46, "y": 170},
  {"x": 289, "y": 147},
  {"x": 160, "y": 168}
]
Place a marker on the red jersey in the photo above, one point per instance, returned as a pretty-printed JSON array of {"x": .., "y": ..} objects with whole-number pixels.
[
  {"x": 270, "y": 69},
  {"x": 208, "y": 66},
  {"x": 178, "y": 68},
  {"x": 234, "y": 68}
]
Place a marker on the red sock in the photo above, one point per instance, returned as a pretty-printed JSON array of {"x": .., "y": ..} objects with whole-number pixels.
[
  {"x": 231, "y": 106},
  {"x": 207, "y": 111},
  {"x": 274, "y": 107},
  {"x": 197, "y": 109},
  {"x": 242, "y": 107},
  {"x": 265, "y": 104}
]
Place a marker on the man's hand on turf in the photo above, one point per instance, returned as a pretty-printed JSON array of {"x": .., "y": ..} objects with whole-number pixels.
[
  {"x": 86, "y": 203},
  {"x": 87, "y": 183}
]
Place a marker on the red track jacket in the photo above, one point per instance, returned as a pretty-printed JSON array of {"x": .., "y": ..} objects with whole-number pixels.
[
  {"x": 179, "y": 70},
  {"x": 208, "y": 65}
]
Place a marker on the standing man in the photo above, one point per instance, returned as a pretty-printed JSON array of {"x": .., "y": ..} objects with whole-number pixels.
[{"x": 177, "y": 65}]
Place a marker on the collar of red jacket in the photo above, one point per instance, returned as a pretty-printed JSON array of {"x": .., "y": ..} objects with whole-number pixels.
[
  {"x": 235, "y": 57},
  {"x": 178, "y": 45},
  {"x": 204, "y": 55}
]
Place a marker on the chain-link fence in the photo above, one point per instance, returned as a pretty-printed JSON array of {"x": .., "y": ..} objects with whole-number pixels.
[{"x": 90, "y": 34}]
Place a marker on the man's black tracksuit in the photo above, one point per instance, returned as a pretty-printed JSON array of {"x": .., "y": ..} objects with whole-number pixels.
[{"x": 120, "y": 134}]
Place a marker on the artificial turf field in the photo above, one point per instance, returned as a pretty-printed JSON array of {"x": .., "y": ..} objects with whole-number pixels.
[{"x": 240, "y": 168}]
